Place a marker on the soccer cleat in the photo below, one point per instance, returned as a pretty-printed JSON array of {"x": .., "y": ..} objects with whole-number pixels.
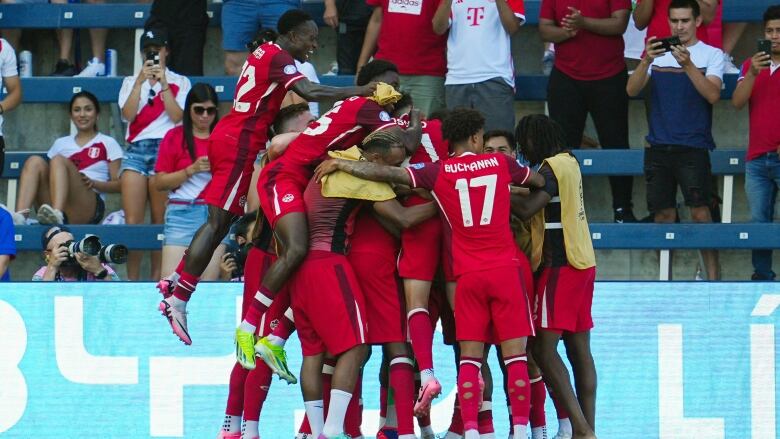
[
  {"x": 276, "y": 358},
  {"x": 431, "y": 390},
  {"x": 387, "y": 433},
  {"x": 177, "y": 319},
  {"x": 427, "y": 436},
  {"x": 245, "y": 348},
  {"x": 165, "y": 287},
  {"x": 50, "y": 215},
  {"x": 225, "y": 435}
]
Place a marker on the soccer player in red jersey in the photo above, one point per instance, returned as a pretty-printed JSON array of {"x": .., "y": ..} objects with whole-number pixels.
[
  {"x": 237, "y": 139},
  {"x": 326, "y": 281},
  {"x": 564, "y": 289},
  {"x": 281, "y": 185},
  {"x": 473, "y": 193}
]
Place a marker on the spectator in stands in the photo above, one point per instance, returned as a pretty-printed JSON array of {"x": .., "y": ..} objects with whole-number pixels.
[
  {"x": 686, "y": 83},
  {"x": 479, "y": 78},
  {"x": 187, "y": 22},
  {"x": 652, "y": 15},
  {"x": 97, "y": 65},
  {"x": 182, "y": 170},
  {"x": 70, "y": 187},
  {"x": 61, "y": 266},
  {"x": 418, "y": 52},
  {"x": 151, "y": 103},
  {"x": 498, "y": 141},
  {"x": 759, "y": 86},
  {"x": 589, "y": 76},
  {"x": 240, "y": 21},
  {"x": 14, "y": 36},
  {"x": 349, "y": 18},
  {"x": 9, "y": 77},
  {"x": 7, "y": 243}
]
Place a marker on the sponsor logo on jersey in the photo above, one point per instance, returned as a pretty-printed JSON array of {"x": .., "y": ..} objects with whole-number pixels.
[
  {"x": 288, "y": 198},
  {"x": 290, "y": 69},
  {"x": 258, "y": 53},
  {"x": 417, "y": 165},
  {"x": 384, "y": 116}
]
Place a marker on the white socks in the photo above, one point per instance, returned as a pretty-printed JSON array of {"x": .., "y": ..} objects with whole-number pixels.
[
  {"x": 276, "y": 341},
  {"x": 247, "y": 327},
  {"x": 231, "y": 424},
  {"x": 315, "y": 413},
  {"x": 250, "y": 430},
  {"x": 337, "y": 409},
  {"x": 426, "y": 375}
]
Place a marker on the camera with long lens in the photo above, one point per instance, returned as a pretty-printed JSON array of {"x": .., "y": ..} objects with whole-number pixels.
[{"x": 91, "y": 245}]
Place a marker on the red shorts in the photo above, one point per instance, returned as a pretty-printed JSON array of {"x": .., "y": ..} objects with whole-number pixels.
[
  {"x": 564, "y": 296},
  {"x": 420, "y": 250},
  {"x": 280, "y": 189},
  {"x": 231, "y": 173},
  {"x": 491, "y": 306},
  {"x": 328, "y": 304},
  {"x": 384, "y": 297}
]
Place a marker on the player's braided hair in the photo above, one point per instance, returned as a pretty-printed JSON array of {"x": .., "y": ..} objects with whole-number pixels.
[
  {"x": 264, "y": 35},
  {"x": 539, "y": 137},
  {"x": 461, "y": 123},
  {"x": 373, "y": 69},
  {"x": 382, "y": 140}
]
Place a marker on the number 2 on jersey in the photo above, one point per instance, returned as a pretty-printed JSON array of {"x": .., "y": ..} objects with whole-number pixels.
[
  {"x": 247, "y": 72},
  {"x": 463, "y": 185}
]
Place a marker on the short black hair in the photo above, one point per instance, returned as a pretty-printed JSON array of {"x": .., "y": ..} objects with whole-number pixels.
[
  {"x": 772, "y": 13},
  {"x": 292, "y": 19},
  {"x": 510, "y": 138},
  {"x": 404, "y": 102},
  {"x": 287, "y": 113},
  {"x": 241, "y": 226},
  {"x": 381, "y": 141},
  {"x": 373, "y": 69},
  {"x": 539, "y": 137},
  {"x": 461, "y": 124},
  {"x": 686, "y": 4}
]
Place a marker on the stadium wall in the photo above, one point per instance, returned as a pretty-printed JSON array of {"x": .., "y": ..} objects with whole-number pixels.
[{"x": 701, "y": 364}]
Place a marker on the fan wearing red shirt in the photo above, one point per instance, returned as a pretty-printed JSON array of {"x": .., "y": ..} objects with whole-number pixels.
[
  {"x": 269, "y": 72},
  {"x": 472, "y": 191},
  {"x": 418, "y": 51},
  {"x": 282, "y": 183},
  {"x": 589, "y": 76},
  {"x": 653, "y": 16}
]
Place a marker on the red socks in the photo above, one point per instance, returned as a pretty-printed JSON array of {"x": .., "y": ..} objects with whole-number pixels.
[
  {"x": 383, "y": 401},
  {"x": 421, "y": 335},
  {"x": 255, "y": 391},
  {"x": 235, "y": 402},
  {"x": 305, "y": 427},
  {"x": 185, "y": 286},
  {"x": 180, "y": 268},
  {"x": 354, "y": 416},
  {"x": 263, "y": 299},
  {"x": 456, "y": 424},
  {"x": 469, "y": 391},
  {"x": 538, "y": 395},
  {"x": 560, "y": 409},
  {"x": 402, "y": 383},
  {"x": 485, "y": 418},
  {"x": 286, "y": 326},
  {"x": 519, "y": 388}
]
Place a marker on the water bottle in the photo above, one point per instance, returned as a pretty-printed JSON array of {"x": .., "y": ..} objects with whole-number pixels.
[
  {"x": 111, "y": 59},
  {"x": 25, "y": 64}
]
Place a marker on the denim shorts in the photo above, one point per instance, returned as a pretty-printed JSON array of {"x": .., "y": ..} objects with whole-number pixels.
[
  {"x": 182, "y": 220},
  {"x": 141, "y": 157},
  {"x": 245, "y": 17}
]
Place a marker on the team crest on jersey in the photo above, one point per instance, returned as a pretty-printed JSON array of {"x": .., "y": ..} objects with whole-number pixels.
[
  {"x": 274, "y": 323},
  {"x": 290, "y": 69},
  {"x": 385, "y": 116},
  {"x": 93, "y": 152},
  {"x": 417, "y": 165},
  {"x": 258, "y": 53},
  {"x": 288, "y": 198},
  {"x": 242, "y": 201}
]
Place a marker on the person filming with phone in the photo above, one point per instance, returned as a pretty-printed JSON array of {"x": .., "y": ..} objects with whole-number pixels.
[
  {"x": 152, "y": 103},
  {"x": 759, "y": 86},
  {"x": 686, "y": 76}
]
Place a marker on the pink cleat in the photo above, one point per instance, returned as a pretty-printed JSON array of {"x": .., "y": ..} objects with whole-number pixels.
[
  {"x": 177, "y": 319},
  {"x": 225, "y": 435},
  {"x": 165, "y": 286},
  {"x": 428, "y": 392}
]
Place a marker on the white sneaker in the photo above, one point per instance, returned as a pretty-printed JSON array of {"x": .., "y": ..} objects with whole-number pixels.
[
  {"x": 19, "y": 218},
  {"x": 50, "y": 215},
  {"x": 93, "y": 68}
]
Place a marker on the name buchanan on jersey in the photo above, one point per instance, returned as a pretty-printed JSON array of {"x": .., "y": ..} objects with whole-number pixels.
[{"x": 473, "y": 166}]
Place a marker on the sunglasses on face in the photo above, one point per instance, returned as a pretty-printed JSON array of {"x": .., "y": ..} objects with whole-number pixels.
[
  {"x": 152, "y": 94},
  {"x": 200, "y": 110}
]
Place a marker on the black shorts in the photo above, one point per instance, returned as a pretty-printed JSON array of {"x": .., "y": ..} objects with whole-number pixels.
[{"x": 667, "y": 166}]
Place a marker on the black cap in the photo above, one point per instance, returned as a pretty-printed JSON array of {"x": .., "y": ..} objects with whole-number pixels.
[
  {"x": 154, "y": 37},
  {"x": 49, "y": 233}
]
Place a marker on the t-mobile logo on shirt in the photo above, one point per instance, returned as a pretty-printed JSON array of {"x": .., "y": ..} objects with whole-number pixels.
[
  {"x": 475, "y": 15},
  {"x": 413, "y": 7}
]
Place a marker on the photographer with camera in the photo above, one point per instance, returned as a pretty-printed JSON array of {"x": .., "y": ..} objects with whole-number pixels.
[
  {"x": 68, "y": 260},
  {"x": 232, "y": 262}
]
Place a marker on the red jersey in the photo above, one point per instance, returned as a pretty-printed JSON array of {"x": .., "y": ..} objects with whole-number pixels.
[
  {"x": 265, "y": 78},
  {"x": 371, "y": 237},
  {"x": 343, "y": 126},
  {"x": 331, "y": 220},
  {"x": 432, "y": 148},
  {"x": 473, "y": 194}
]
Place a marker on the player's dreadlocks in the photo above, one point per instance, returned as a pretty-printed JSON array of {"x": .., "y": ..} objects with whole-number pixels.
[
  {"x": 381, "y": 141},
  {"x": 539, "y": 137},
  {"x": 265, "y": 35}
]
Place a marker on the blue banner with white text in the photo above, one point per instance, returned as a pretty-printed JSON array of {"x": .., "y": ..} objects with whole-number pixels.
[{"x": 674, "y": 360}]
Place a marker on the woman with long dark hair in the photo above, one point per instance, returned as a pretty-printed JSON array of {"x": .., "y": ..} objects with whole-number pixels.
[{"x": 183, "y": 169}]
